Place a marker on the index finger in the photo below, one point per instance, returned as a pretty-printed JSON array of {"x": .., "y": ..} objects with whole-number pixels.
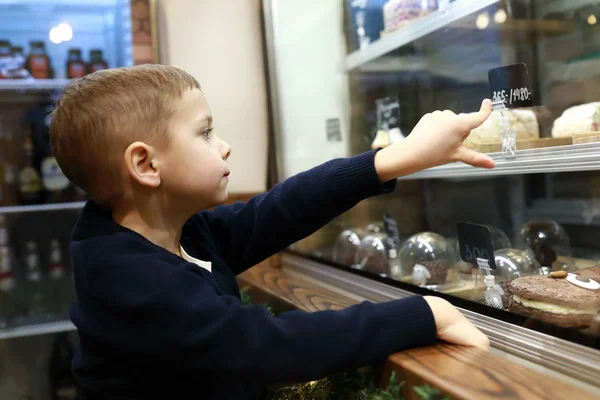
[{"x": 473, "y": 120}]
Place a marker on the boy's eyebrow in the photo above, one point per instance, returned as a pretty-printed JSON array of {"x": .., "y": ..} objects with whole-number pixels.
[{"x": 205, "y": 118}]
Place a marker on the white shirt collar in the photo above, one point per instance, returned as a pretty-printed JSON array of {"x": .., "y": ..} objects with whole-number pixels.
[{"x": 207, "y": 265}]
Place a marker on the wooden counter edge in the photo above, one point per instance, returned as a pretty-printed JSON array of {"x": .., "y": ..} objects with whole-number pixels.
[{"x": 460, "y": 372}]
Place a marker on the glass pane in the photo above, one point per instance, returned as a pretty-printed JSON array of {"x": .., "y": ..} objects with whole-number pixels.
[
  {"x": 404, "y": 59},
  {"x": 43, "y": 45}
]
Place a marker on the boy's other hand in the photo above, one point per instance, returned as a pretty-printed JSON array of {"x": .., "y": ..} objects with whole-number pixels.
[
  {"x": 453, "y": 327},
  {"x": 436, "y": 140}
]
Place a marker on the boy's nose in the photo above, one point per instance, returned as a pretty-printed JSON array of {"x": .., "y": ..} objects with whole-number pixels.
[{"x": 226, "y": 150}]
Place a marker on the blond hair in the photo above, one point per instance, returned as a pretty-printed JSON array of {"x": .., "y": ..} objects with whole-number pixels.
[{"x": 99, "y": 115}]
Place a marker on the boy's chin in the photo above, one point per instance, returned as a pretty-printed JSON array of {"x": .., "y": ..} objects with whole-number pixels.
[
  {"x": 224, "y": 197},
  {"x": 221, "y": 198}
]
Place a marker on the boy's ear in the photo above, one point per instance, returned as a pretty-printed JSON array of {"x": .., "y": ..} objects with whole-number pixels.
[{"x": 140, "y": 163}]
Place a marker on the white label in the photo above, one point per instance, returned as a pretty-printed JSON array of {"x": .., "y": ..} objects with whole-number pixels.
[
  {"x": 7, "y": 284},
  {"x": 420, "y": 275},
  {"x": 34, "y": 276},
  {"x": 52, "y": 176},
  {"x": 57, "y": 271},
  {"x": 32, "y": 261}
]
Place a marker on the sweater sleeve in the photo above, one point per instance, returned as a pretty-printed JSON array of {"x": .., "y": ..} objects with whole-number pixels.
[
  {"x": 247, "y": 233},
  {"x": 216, "y": 334}
]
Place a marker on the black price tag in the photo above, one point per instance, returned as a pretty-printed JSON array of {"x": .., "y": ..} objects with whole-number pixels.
[
  {"x": 388, "y": 113},
  {"x": 391, "y": 229},
  {"x": 510, "y": 84},
  {"x": 475, "y": 245}
]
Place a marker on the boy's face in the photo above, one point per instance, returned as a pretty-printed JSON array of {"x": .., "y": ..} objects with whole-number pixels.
[{"x": 195, "y": 171}]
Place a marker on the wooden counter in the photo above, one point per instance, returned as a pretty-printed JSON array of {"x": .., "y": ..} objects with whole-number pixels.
[{"x": 460, "y": 372}]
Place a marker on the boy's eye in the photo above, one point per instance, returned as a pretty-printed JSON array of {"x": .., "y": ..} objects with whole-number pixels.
[{"x": 207, "y": 132}]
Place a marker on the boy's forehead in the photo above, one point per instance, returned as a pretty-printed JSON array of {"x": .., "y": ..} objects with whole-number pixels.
[{"x": 193, "y": 105}]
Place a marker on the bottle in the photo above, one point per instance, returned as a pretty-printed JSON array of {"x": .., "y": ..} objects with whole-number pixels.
[
  {"x": 3, "y": 162},
  {"x": 18, "y": 63},
  {"x": 7, "y": 167},
  {"x": 38, "y": 62},
  {"x": 61, "y": 283},
  {"x": 30, "y": 183},
  {"x": 54, "y": 181},
  {"x": 3, "y": 231},
  {"x": 5, "y": 57},
  {"x": 97, "y": 61},
  {"x": 75, "y": 66},
  {"x": 8, "y": 300},
  {"x": 35, "y": 288},
  {"x": 17, "y": 51}
]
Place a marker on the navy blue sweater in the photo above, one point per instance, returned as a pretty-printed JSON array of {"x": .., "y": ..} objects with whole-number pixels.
[{"x": 152, "y": 325}]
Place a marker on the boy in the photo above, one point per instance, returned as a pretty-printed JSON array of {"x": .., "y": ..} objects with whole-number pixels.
[{"x": 158, "y": 310}]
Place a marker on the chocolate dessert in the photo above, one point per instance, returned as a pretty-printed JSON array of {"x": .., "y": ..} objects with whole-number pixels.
[
  {"x": 591, "y": 272},
  {"x": 438, "y": 269},
  {"x": 554, "y": 300}
]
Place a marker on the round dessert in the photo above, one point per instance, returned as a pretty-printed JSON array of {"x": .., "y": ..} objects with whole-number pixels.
[
  {"x": 523, "y": 122},
  {"x": 554, "y": 300},
  {"x": 591, "y": 272},
  {"x": 577, "y": 119},
  {"x": 438, "y": 271}
]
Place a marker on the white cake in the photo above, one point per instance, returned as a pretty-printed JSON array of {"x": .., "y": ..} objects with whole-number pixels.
[
  {"x": 523, "y": 122},
  {"x": 399, "y": 12},
  {"x": 580, "y": 119}
]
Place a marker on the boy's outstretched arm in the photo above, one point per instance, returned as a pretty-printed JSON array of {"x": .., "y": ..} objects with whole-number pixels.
[
  {"x": 247, "y": 233},
  {"x": 185, "y": 322},
  {"x": 436, "y": 140}
]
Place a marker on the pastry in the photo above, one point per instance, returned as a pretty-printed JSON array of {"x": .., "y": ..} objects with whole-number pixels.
[
  {"x": 437, "y": 271},
  {"x": 553, "y": 300},
  {"x": 523, "y": 122},
  {"x": 584, "y": 118},
  {"x": 397, "y": 13},
  {"x": 591, "y": 272}
]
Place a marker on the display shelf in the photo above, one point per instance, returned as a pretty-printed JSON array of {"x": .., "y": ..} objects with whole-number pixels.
[
  {"x": 544, "y": 27},
  {"x": 407, "y": 65},
  {"x": 39, "y": 329},
  {"x": 566, "y": 211},
  {"x": 416, "y": 30},
  {"x": 42, "y": 207},
  {"x": 576, "y": 157},
  {"x": 562, "y": 7},
  {"x": 28, "y": 85}
]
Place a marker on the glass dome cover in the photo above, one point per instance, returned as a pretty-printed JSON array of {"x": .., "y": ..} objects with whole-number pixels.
[
  {"x": 373, "y": 252},
  {"x": 514, "y": 263},
  {"x": 345, "y": 247},
  {"x": 510, "y": 264},
  {"x": 427, "y": 258},
  {"x": 549, "y": 243}
]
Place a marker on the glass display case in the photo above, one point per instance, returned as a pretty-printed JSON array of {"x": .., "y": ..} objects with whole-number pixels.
[
  {"x": 349, "y": 76},
  {"x": 43, "y": 45}
]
